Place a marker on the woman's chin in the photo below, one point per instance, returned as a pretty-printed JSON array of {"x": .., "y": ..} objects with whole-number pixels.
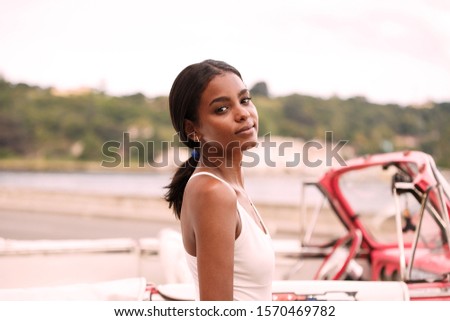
[{"x": 249, "y": 145}]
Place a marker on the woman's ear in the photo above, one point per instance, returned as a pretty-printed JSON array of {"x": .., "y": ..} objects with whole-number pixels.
[{"x": 190, "y": 131}]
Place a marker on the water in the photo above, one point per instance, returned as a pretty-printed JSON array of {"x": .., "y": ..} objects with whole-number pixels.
[
  {"x": 279, "y": 188},
  {"x": 276, "y": 189}
]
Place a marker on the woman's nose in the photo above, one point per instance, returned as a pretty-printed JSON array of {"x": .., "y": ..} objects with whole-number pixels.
[{"x": 242, "y": 113}]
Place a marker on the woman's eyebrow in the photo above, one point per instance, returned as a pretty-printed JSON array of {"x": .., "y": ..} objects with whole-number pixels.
[
  {"x": 219, "y": 99},
  {"x": 243, "y": 92},
  {"x": 226, "y": 98}
]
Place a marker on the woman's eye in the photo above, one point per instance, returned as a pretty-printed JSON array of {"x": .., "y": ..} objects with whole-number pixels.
[
  {"x": 246, "y": 100},
  {"x": 221, "y": 109}
]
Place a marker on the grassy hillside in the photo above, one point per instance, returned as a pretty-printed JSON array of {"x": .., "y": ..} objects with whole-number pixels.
[{"x": 41, "y": 124}]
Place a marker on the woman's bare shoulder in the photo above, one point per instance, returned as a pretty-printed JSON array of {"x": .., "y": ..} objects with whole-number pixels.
[
  {"x": 206, "y": 187},
  {"x": 205, "y": 195},
  {"x": 209, "y": 215}
]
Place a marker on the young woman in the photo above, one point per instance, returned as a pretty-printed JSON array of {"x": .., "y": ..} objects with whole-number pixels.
[{"x": 228, "y": 247}]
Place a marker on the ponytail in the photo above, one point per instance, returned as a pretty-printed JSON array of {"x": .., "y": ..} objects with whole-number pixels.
[{"x": 179, "y": 181}]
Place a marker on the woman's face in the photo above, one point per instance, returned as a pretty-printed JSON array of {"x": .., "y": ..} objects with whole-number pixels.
[{"x": 227, "y": 120}]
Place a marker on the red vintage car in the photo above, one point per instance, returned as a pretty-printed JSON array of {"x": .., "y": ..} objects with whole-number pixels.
[{"x": 388, "y": 217}]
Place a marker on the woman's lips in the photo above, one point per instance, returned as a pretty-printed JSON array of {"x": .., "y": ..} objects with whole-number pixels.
[{"x": 245, "y": 129}]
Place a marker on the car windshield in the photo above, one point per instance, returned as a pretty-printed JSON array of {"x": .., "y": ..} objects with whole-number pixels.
[
  {"x": 369, "y": 193},
  {"x": 320, "y": 224}
]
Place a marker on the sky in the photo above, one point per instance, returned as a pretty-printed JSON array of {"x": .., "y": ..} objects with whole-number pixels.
[{"x": 389, "y": 51}]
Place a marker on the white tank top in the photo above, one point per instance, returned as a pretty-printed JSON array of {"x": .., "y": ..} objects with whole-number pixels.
[{"x": 254, "y": 258}]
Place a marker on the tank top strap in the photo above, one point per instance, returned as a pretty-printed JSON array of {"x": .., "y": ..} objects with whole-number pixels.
[{"x": 215, "y": 176}]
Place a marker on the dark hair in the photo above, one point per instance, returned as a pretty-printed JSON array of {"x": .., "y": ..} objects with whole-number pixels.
[{"x": 184, "y": 100}]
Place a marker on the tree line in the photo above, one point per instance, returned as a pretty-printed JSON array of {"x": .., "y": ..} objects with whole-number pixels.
[{"x": 38, "y": 122}]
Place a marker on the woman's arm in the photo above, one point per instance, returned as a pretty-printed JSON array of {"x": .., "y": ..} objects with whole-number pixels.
[{"x": 215, "y": 222}]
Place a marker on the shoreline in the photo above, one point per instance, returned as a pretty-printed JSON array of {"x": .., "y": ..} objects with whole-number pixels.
[{"x": 280, "y": 164}]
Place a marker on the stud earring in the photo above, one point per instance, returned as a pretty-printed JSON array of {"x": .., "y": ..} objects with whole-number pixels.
[{"x": 195, "y": 137}]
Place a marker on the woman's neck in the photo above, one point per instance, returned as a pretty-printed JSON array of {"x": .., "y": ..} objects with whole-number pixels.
[{"x": 228, "y": 169}]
